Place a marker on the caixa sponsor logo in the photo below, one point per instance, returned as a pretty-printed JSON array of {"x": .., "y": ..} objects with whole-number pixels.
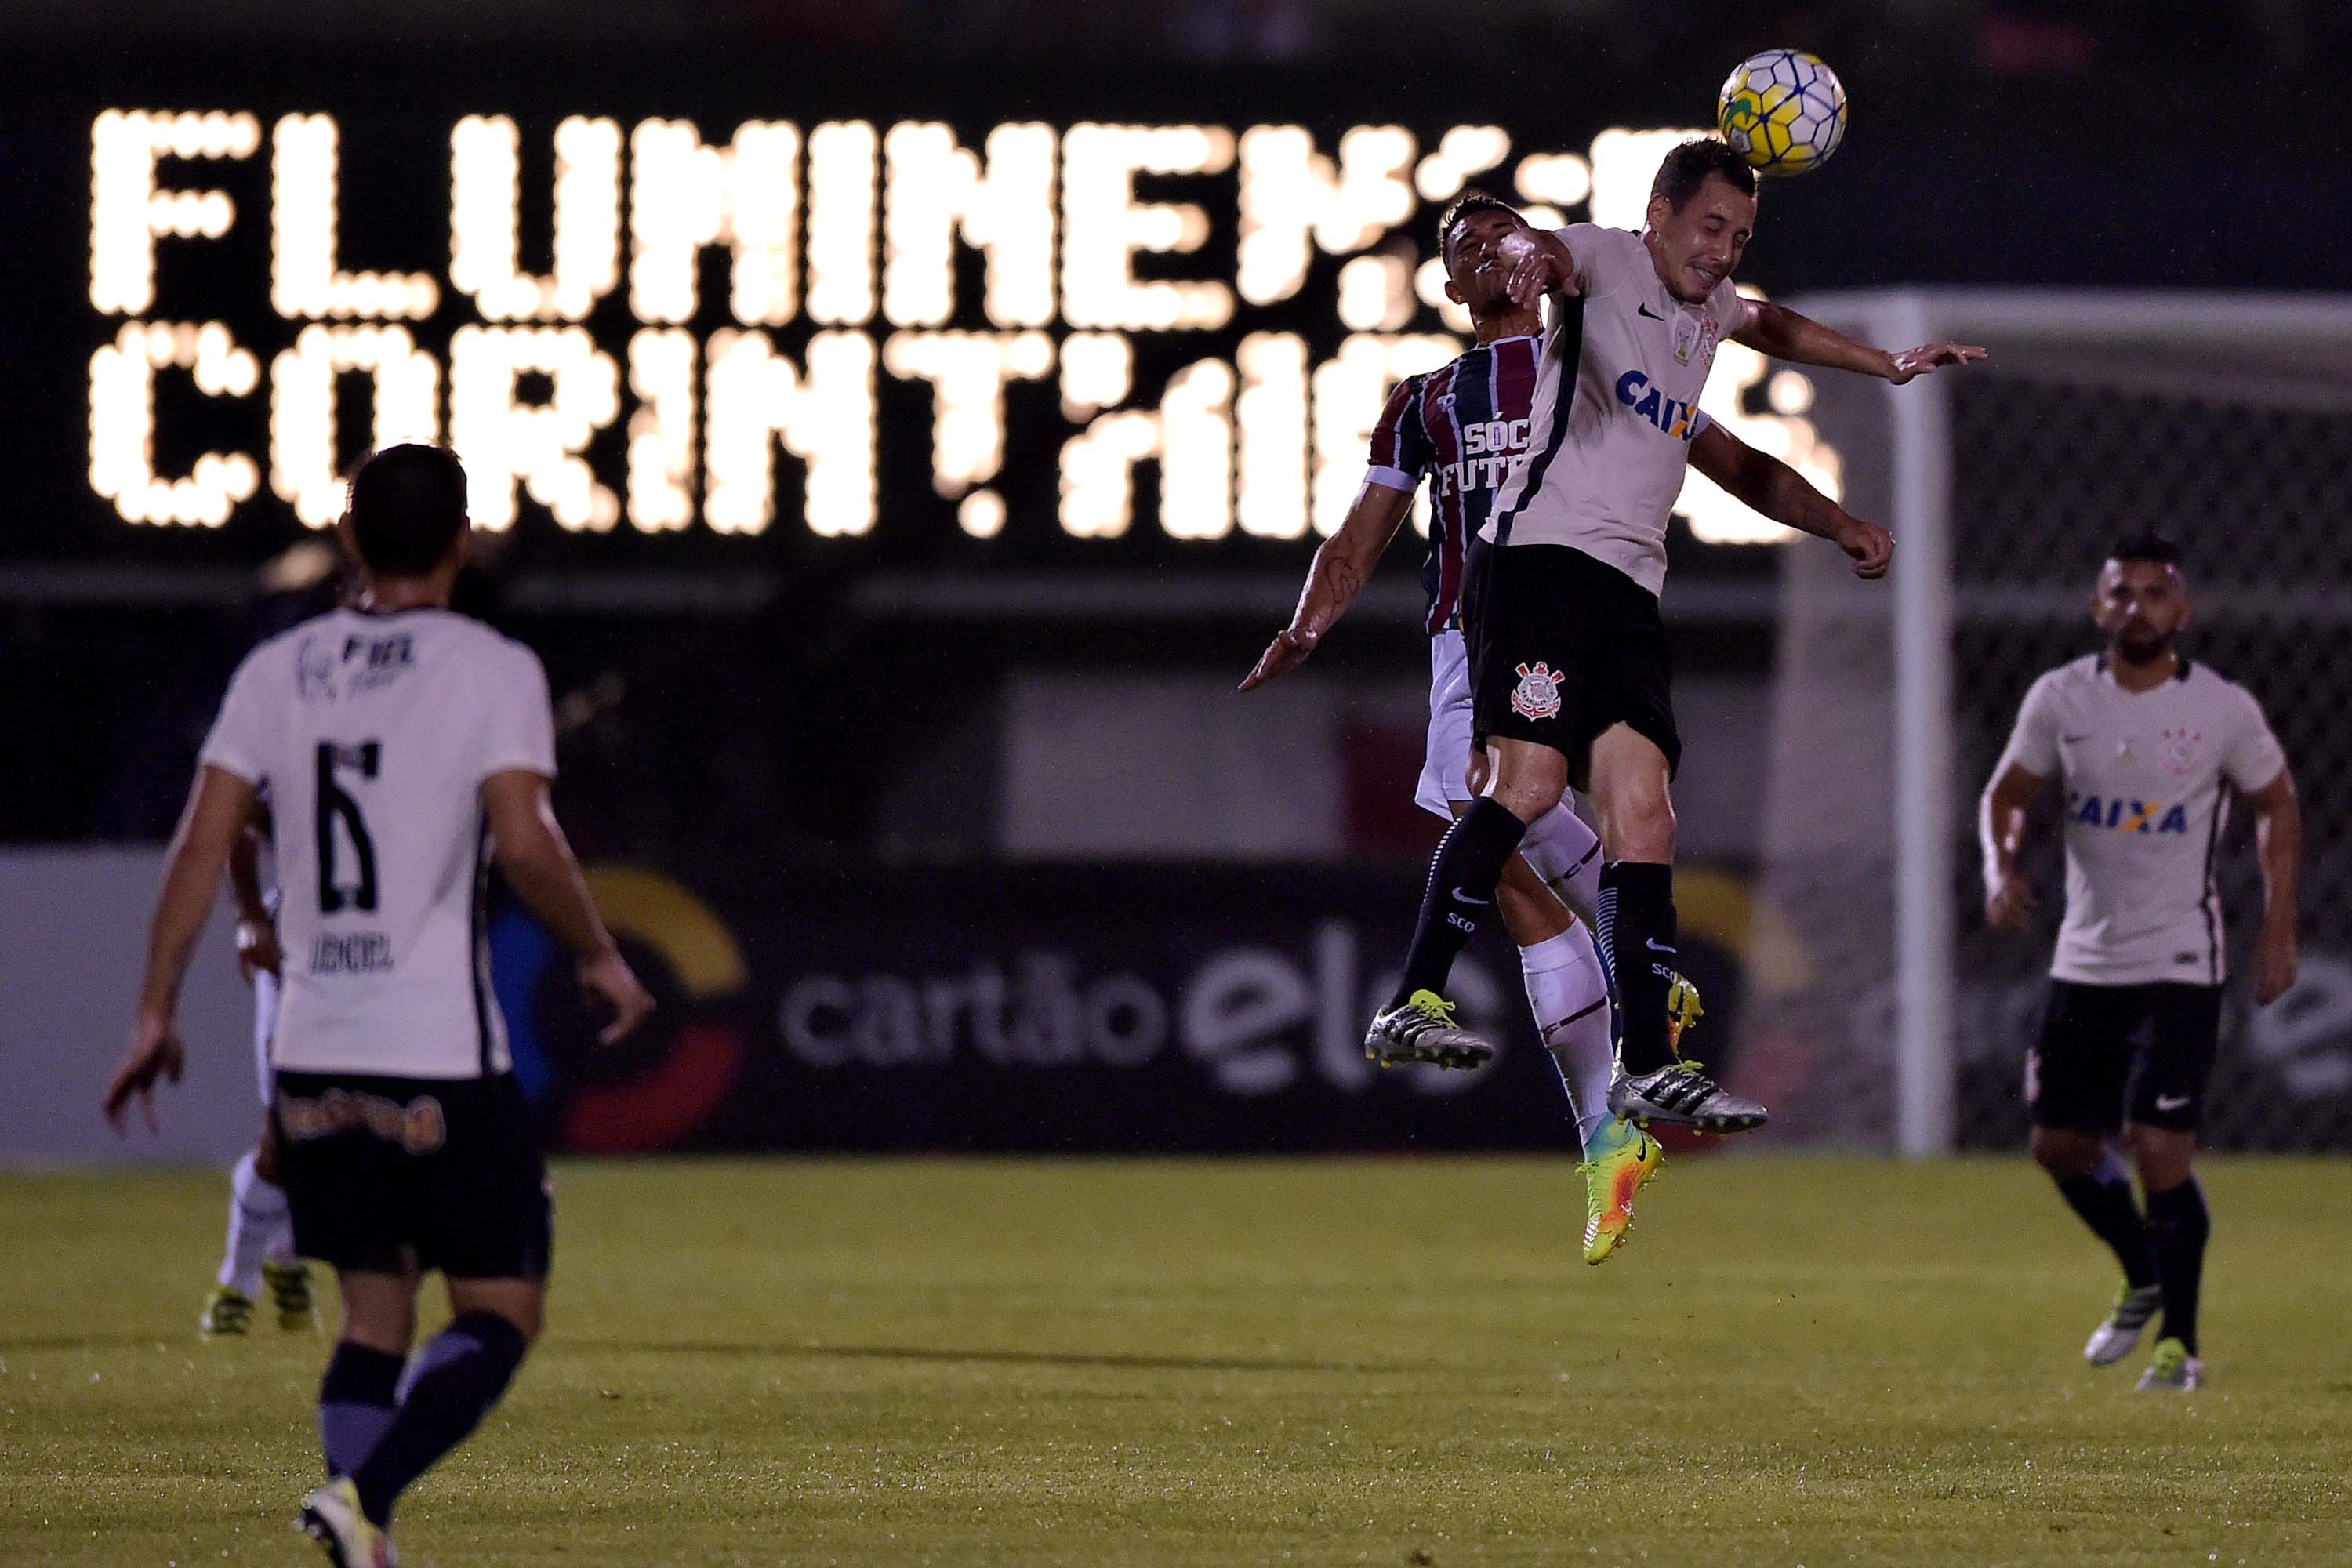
[
  {"x": 1670, "y": 415},
  {"x": 1256, "y": 1019}
]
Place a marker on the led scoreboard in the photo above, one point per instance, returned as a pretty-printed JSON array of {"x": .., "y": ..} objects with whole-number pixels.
[{"x": 831, "y": 329}]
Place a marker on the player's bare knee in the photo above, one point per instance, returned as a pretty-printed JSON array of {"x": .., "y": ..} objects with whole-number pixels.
[
  {"x": 2066, "y": 1154},
  {"x": 2163, "y": 1156},
  {"x": 522, "y": 1302}
]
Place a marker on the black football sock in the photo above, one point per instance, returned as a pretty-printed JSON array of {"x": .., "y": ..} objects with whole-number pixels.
[
  {"x": 1461, "y": 893},
  {"x": 355, "y": 1404},
  {"x": 455, "y": 1381},
  {"x": 2177, "y": 1225},
  {"x": 2104, "y": 1200},
  {"x": 1637, "y": 939}
]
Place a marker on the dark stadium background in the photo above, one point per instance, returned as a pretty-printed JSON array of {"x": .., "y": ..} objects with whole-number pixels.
[{"x": 808, "y": 732}]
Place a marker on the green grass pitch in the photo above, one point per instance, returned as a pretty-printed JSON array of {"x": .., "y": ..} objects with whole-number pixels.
[{"x": 1797, "y": 1361}]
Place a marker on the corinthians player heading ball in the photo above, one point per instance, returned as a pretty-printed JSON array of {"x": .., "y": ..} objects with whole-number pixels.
[
  {"x": 2148, "y": 747},
  {"x": 1569, "y": 671}
]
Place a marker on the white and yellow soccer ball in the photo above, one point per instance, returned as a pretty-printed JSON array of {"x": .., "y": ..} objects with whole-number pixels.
[{"x": 1783, "y": 111}]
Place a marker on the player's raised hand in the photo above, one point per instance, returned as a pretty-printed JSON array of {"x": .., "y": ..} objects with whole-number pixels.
[
  {"x": 1919, "y": 362},
  {"x": 610, "y": 978},
  {"x": 1870, "y": 547},
  {"x": 1286, "y": 653},
  {"x": 2009, "y": 907},
  {"x": 1534, "y": 272},
  {"x": 2274, "y": 963},
  {"x": 257, "y": 949},
  {"x": 155, "y": 1052}
]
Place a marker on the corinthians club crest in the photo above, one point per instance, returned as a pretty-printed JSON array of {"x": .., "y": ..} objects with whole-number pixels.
[
  {"x": 1537, "y": 695},
  {"x": 2179, "y": 749}
]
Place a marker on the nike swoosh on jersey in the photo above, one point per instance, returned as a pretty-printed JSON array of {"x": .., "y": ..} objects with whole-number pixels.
[
  {"x": 1645, "y": 310},
  {"x": 2173, "y": 1101}
]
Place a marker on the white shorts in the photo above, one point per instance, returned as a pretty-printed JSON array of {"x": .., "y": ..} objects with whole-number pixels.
[
  {"x": 1445, "y": 766},
  {"x": 265, "y": 1024}
]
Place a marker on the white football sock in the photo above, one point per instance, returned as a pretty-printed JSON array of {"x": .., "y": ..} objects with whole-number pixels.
[
  {"x": 1564, "y": 852},
  {"x": 259, "y": 1226},
  {"x": 1571, "y": 997}
]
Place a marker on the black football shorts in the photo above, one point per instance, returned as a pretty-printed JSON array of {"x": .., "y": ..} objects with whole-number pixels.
[
  {"x": 2112, "y": 1054},
  {"x": 447, "y": 1170},
  {"x": 1561, "y": 648}
]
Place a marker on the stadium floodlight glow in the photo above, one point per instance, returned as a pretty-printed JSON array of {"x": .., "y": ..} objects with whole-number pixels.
[
  {"x": 967, "y": 372},
  {"x": 1713, "y": 516},
  {"x": 1624, "y": 166},
  {"x": 661, "y": 430},
  {"x": 1557, "y": 179},
  {"x": 122, "y": 423},
  {"x": 1291, "y": 193},
  {"x": 841, "y": 172},
  {"x": 302, "y": 423},
  {"x": 1196, "y": 452},
  {"x": 305, "y": 282},
  {"x": 1098, "y": 473},
  {"x": 1464, "y": 151},
  {"x": 1103, "y": 226},
  {"x": 539, "y": 445},
  {"x": 1097, "y": 371},
  {"x": 1376, "y": 294},
  {"x": 485, "y": 217},
  {"x": 684, "y": 196},
  {"x": 1350, "y": 389},
  {"x": 753, "y": 397},
  {"x": 936, "y": 190},
  {"x": 1429, "y": 280},
  {"x": 127, "y": 212},
  {"x": 982, "y": 514},
  {"x": 1270, "y": 412}
]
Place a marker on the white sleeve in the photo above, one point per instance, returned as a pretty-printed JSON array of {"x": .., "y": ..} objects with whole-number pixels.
[
  {"x": 1736, "y": 311},
  {"x": 518, "y": 726},
  {"x": 2254, "y": 759},
  {"x": 1591, "y": 244},
  {"x": 2033, "y": 743},
  {"x": 239, "y": 742}
]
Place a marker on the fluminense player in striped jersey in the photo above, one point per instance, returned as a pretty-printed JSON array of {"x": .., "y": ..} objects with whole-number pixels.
[
  {"x": 2150, "y": 748},
  {"x": 1460, "y": 428},
  {"x": 1570, "y": 670}
]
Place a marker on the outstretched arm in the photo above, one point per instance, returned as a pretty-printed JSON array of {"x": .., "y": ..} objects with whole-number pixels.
[
  {"x": 1343, "y": 564},
  {"x": 538, "y": 866},
  {"x": 1540, "y": 264},
  {"x": 2001, "y": 829},
  {"x": 1767, "y": 485},
  {"x": 1781, "y": 332},
  {"x": 2278, "y": 837},
  {"x": 218, "y": 812}
]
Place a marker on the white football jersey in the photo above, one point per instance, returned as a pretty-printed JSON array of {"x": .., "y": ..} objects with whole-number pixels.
[
  {"x": 1616, "y": 408},
  {"x": 373, "y": 733},
  {"x": 2144, "y": 776}
]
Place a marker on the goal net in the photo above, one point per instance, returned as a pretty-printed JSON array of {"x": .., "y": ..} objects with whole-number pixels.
[{"x": 2224, "y": 422}]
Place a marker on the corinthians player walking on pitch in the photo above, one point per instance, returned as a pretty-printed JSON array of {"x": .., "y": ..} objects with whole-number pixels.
[
  {"x": 1570, "y": 670},
  {"x": 399, "y": 742},
  {"x": 1460, "y": 426},
  {"x": 2148, "y": 747}
]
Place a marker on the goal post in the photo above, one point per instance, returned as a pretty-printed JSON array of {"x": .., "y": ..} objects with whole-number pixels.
[{"x": 2224, "y": 421}]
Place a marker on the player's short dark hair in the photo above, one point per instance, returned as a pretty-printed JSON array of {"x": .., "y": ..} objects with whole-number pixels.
[
  {"x": 2148, "y": 547},
  {"x": 1472, "y": 200},
  {"x": 406, "y": 506},
  {"x": 1682, "y": 172}
]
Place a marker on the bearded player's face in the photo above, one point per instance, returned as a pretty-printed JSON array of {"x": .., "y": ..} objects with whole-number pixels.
[
  {"x": 1475, "y": 277},
  {"x": 2141, "y": 605},
  {"x": 1700, "y": 246}
]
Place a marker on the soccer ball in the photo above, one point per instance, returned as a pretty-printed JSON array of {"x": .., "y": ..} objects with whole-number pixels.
[{"x": 1783, "y": 111}]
